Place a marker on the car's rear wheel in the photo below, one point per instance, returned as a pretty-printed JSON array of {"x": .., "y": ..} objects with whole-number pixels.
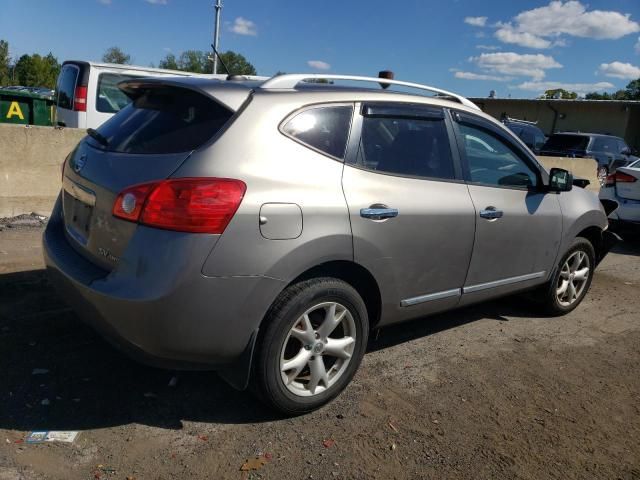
[
  {"x": 571, "y": 280},
  {"x": 312, "y": 343}
]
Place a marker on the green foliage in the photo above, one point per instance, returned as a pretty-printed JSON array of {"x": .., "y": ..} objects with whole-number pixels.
[
  {"x": 631, "y": 92},
  {"x": 5, "y": 63},
  {"x": 197, "y": 61},
  {"x": 37, "y": 71},
  {"x": 237, "y": 64},
  {"x": 560, "y": 93},
  {"x": 116, "y": 55}
]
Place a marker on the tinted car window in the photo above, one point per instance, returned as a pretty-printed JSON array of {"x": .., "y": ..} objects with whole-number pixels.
[
  {"x": 163, "y": 120},
  {"x": 323, "y": 128},
  {"x": 605, "y": 144},
  {"x": 566, "y": 142},
  {"x": 406, "y": 146},
  {"x": 492, "y": 162},
  {"x": 110, "y": 98},
  {"x": 66, "y": 86}
]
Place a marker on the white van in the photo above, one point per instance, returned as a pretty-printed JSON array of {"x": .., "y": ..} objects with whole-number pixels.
[{"x": 87, "y": 94}]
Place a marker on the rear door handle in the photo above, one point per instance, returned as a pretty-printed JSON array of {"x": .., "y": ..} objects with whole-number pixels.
[
  {"x": 378, "y": 212},
  {"x": 491, "y": 213}
]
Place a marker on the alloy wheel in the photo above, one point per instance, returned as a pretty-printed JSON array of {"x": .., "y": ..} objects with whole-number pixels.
[
  {"x": 573, "y": 278},
  {"x": 318, "y": 349}
]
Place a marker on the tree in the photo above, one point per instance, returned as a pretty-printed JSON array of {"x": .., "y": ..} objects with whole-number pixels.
[
  {"x": 198, "y": 61},
  {"x": 37, "y": 71},
  {"x": 632, "y": 90},
  {"x": 116, "y": 55},
  {"x": 597, "y": 96},
  {"x": 237, "y": 64},
  {"x": 560, "y": 93},
  {"x": 5, "y": 63},
  {"x": 195, "y": 61},
  {"x": 169, "y": 62}
]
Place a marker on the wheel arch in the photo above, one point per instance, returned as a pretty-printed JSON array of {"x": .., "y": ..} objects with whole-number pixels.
[{"x": 355, "y": 275}]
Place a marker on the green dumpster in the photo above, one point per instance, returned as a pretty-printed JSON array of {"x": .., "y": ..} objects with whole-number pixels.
[{"x": 26, "y": 108}]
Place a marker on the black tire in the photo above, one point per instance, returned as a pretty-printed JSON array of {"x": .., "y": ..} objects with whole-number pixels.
[
  {"x": 548, "y": 300},
  {"x": 284, "y": 314}
]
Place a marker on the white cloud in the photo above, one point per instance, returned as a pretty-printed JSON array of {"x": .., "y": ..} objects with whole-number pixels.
[
  {"x": 534, "y": 28},
  {"x": 480, "y": 76},
  {"x": 105, "y": 2},
  {"x": 318, "y": 64},
  {"x": 507, "y": 34},
  {"x": 476, "y": 21},
  {"x": 157, "y": 2},
  {"x": 541, "y": 87},
  {"x": 625, "y": 71},
  {"x": 242, "y": 26},
  {"x": 510, "y": 63},
  {"x": 488, "y": 47}
]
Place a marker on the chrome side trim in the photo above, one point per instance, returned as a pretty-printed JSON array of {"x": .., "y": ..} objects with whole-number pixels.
[
  {"x": 504, "y": 281},
  {"x": 432, "y": 296}
]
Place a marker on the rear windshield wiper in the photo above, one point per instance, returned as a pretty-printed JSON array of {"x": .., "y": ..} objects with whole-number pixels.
[{"x": 97, "y": 136}]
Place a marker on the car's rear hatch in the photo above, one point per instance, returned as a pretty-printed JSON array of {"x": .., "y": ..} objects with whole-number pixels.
[{"x": 146, "y": 141}]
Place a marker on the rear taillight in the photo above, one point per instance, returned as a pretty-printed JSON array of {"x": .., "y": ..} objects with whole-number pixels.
[
  {"x": 621, "y": 177},
  {"x": 611, "y": 180},
  {"x": 80, "y": 99},
  {"x": 198, "y": 205}
]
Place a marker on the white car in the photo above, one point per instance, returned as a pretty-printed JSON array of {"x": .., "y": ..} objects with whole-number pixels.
[
  {"x": 87, "y": 94},
  {"x": 623, "y": 186}
]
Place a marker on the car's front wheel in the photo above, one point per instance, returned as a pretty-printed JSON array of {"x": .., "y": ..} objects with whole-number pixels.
[
  {"x": 314, "y": 338},
  {"x": 571, "y": 280}
]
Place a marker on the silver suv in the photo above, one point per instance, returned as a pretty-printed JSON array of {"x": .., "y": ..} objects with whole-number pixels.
[{"x": 263, "y": 228}]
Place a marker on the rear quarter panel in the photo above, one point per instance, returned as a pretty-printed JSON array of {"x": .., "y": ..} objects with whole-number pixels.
[{"x": 275, "y": 169}]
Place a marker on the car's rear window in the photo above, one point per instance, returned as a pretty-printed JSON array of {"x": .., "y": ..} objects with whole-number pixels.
[
  {"x": 566, "y": 142},
  {"x": 163, "y": 119},
  {"x": 110, "y": 98},
  {"x": 66, "y": 86}
]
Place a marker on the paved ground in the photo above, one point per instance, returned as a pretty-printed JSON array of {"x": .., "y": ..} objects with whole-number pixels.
[{"x": 485, "y": 392}]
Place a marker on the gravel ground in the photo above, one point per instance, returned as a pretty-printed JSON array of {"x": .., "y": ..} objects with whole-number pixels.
[{"x": 485, "y": 392}]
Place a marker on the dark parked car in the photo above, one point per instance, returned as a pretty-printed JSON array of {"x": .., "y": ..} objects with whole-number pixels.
[
  {"x": 529, "y": 133},
  {"x": 610, "y": 152}
]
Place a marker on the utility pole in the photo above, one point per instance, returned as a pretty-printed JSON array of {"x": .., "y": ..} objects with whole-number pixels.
[{"x": 216, "y": 35}]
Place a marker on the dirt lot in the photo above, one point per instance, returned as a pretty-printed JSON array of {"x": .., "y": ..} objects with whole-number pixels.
[{"x": 485, "y": 392}]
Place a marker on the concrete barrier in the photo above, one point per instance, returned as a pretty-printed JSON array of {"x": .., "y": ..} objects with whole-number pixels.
[
  {"x": 580, "y": 167},
  {"x": 30, "y": 160}
]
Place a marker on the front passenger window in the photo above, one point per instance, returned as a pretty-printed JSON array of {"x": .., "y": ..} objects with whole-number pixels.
[{"x": 492, "y": 162}]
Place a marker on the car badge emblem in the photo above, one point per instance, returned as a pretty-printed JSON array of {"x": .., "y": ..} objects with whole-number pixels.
[{"x": 79, "y": 163}]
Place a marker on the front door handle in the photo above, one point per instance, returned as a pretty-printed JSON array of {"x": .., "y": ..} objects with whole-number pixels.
[
  {"x": 378, "y": 212},
  {"x": 491, "y": 213}
]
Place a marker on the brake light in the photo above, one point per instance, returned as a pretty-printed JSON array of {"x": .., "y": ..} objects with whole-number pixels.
[
  {"x": 80, "y": 99},
  {"x": 621, "y": 177},
  {"x": 197, "y": 205},
  {"x": 610, "y": 180}
]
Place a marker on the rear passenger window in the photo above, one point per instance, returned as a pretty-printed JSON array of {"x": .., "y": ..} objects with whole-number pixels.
[
  {"x": 322, "y": 128},
  {"x": 66, "y": 86},
  {"x": 406, "y": 141},
  {"x": 110, "y": 98}
]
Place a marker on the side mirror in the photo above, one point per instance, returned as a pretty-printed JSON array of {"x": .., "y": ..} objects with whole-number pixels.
[
  {"x": 626, "y": 151},
  {"x": 560, "y": 180}
]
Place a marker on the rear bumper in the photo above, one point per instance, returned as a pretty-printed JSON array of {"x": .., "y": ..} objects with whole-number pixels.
[{"x": 159, "y": 308}]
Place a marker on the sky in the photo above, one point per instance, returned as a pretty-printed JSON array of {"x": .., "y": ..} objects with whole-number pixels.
[{"x": 517, "y": 48}]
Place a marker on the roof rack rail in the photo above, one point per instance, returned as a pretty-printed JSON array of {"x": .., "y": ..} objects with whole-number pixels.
[
  {"x": 528, "y": 122},
  {"x": 289, "y": 81}
]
